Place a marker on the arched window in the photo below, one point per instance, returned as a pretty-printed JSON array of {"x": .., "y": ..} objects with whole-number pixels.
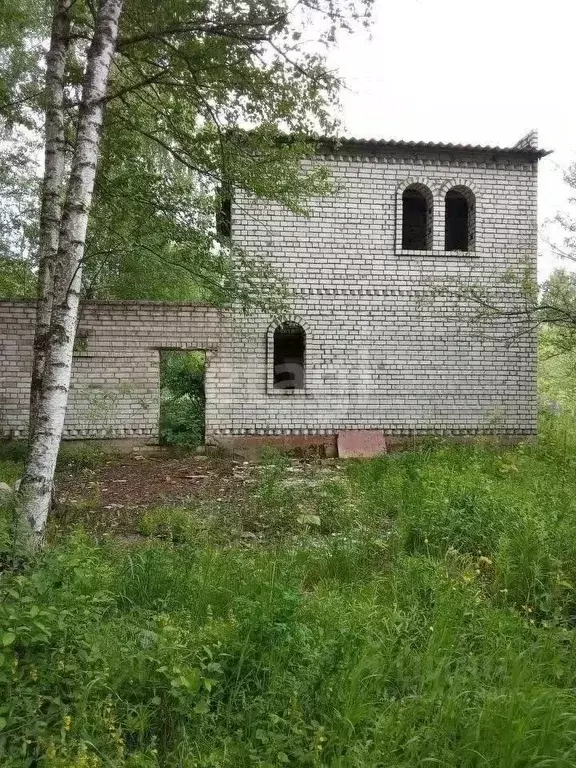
[
  {"x": 289, "y": 356},
  {"x": 417, "y": 214},
  {"x": 460, "y": 227}
]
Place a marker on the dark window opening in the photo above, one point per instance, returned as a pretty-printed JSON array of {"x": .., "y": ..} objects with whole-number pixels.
[
  {"x": 224, "y": 217},
  {"x": 459, "y": 229},
  {"x": 417, "y": 218},
  {"x": 289, "y": 356}
]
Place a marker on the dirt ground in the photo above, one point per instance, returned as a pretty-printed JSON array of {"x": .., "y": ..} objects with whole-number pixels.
[{"x": 111, "y": 495}]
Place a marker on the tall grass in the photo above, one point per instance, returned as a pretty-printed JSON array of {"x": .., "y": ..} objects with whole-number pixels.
[{"x": 413, "y": 610}]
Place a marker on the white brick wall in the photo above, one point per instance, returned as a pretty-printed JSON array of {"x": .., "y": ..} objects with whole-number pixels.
[
  {"x": 385, "y": 347},
  {"x": 382, "y": 352},
  {"x": 115, "y": 376}
]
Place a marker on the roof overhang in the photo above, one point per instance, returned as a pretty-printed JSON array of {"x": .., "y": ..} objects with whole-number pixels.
[{"x": 377, "y": 146}]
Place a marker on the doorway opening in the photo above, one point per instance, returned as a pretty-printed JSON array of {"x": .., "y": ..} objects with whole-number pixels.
[{"x": 182, "y": 397}]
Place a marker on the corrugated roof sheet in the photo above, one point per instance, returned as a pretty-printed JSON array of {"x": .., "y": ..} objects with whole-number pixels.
[{"x": 368, "y": 145}]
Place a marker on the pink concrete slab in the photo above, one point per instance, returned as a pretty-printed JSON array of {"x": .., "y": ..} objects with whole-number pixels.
[{"x": 361, "y": 443}]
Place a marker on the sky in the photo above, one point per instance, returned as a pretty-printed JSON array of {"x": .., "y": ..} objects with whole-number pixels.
[{"x": 469, "y": 71}]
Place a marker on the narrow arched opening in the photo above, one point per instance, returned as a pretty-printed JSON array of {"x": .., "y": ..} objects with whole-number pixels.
[{"x": 417, "y": 218}]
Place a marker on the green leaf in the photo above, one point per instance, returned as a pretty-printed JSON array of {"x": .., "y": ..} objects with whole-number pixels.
[
  {"x": 202, "y": 708},
  {"x": 8, "y": 638},
  {"x": 208, "y": 683}
]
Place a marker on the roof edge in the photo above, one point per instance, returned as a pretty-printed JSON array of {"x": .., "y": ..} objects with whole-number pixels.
[{"x": 370, "y": 146}]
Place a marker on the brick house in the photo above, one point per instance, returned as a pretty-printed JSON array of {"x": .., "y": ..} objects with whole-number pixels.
[{"x": 379, "y": 336}]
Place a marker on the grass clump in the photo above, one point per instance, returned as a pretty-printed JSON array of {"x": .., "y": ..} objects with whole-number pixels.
[
  {"x": 170, "y": 523},
  {"x": 73, "y": 456}
]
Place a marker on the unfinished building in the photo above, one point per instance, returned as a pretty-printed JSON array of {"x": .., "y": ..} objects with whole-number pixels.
[{"x": 379, "y": 337}]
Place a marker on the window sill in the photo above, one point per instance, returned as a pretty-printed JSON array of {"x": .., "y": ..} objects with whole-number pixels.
[
  {"x": 438, "y": 254},
  {"x": 287, "y": 392}
]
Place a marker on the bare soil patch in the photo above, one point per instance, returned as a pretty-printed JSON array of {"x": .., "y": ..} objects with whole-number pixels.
[{"x": 110, "y": 497}]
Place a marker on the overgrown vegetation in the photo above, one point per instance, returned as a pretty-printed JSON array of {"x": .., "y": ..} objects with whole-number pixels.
[
  {"x": 410, "y": 610},
  {"x": 183, "y": 400}
]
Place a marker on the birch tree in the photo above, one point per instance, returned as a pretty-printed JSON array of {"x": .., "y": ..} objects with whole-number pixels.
[
  {"x": 62, "y": 241},
  {"x": 51, "y": 203},
  {"x": 203, "y": 94}
]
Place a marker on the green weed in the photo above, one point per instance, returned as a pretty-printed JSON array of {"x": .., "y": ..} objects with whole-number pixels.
[
  {"x": 412, "y": 610},
  {"x": 170, "y": 523}
]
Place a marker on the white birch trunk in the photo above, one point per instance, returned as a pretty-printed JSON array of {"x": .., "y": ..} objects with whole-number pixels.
[
  {"x": 51, "y": 206},
  {"x": 36, "y": 486}
]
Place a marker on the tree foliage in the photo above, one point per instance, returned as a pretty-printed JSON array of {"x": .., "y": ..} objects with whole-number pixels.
[
  {"x": 558, "y": 311},
  {"x": 18, "y": 215},
  {"x": 187, "y": 101},
  {"x": 199, "y": 96},
  {"x": 183, "y": 397}
]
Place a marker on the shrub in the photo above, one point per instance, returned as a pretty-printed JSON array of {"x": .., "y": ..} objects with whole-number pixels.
[{"x": 182, "y": 422}]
